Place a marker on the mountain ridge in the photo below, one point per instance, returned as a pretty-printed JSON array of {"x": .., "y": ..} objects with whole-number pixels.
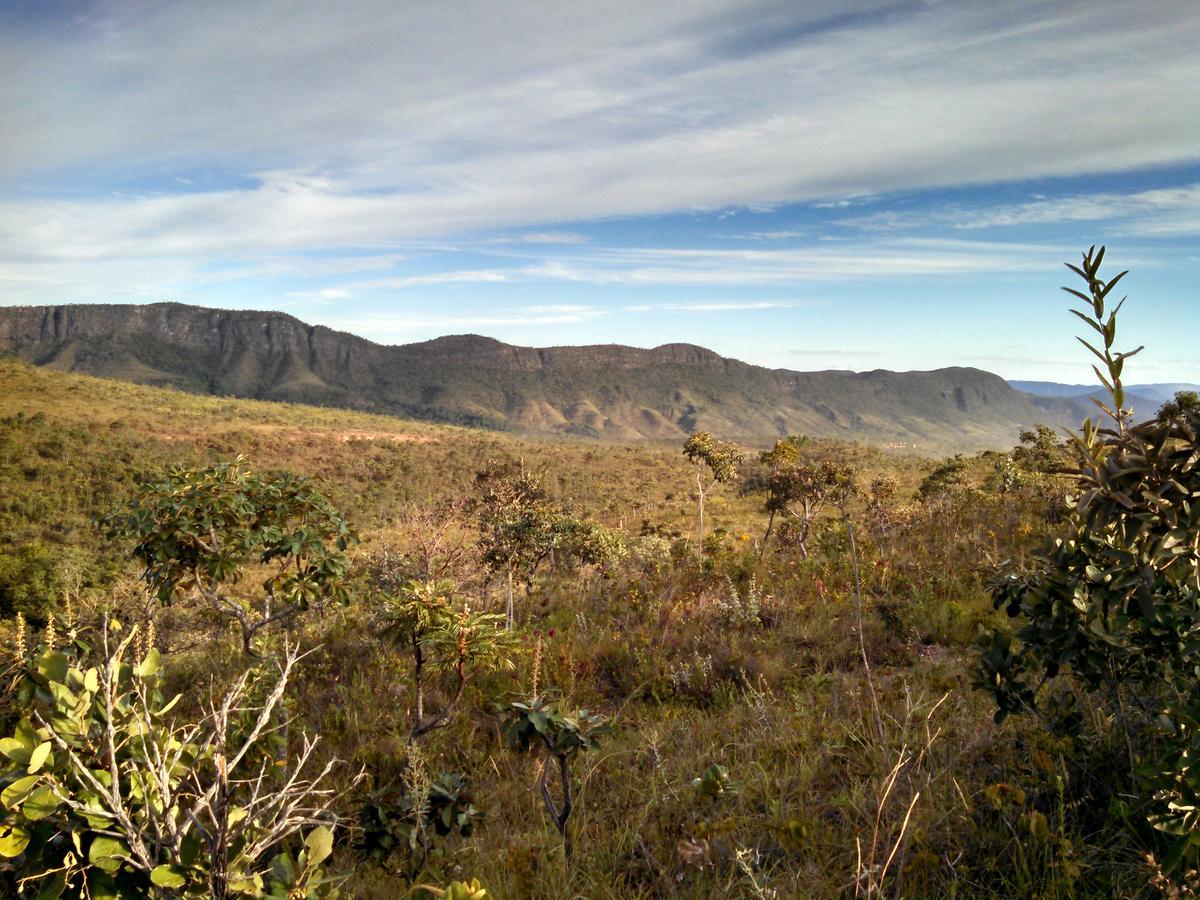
[{"x": 608, "y": 391}]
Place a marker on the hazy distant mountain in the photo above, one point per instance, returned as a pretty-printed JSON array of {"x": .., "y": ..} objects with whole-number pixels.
[
  {"x": 1153, "y": 393},
  {"x": 610, "y": 391},
  {"x": 1074, "y": 401}
]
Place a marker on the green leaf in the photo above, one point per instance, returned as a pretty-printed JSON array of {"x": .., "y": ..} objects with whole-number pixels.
[
  {"x": 53, "y": 666},
  {"x": 19, "y": 790},
  {"x": 39, "y": 804},
  {"x": 252, "y": 885},
  {"x": 53, "y": 887},
  {"x": 15, "y": 750},
  {"x": 27, "y": 734},
  {"x": 149, "y": 665},
  {"x": 168, "y": 877},
  {"x": 319, "y": 844},
  {"x": 38, "y": 758},
  {"x": 1111, "y": 284},
  {"x": 13, "y": 840},
  {"x": 108, "y": 853},
  {"x": 1091, "y": 323},
  {"x": 100, "y": 886}
]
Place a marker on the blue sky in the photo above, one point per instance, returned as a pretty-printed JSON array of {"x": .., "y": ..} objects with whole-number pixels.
[{"x": 816, "y": 185}]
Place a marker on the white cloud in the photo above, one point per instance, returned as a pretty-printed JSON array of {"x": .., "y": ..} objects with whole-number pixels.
[
  {"x": 725, "y": 305},
  {"x": 781, "y": 235},
  {"x": 371, "y": 123},
  {"x": 393, "y": 324},
  {"x": 841, "y": 261},
  {"x": 1161, "y": 212},
  {"x": 1147, "y": 208},
  {"x": 468, "y": 276},
  {"x": 548, "y": 237}
]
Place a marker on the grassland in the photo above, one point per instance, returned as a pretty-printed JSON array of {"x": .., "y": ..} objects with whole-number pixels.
[{"x": 751, "y": 662}]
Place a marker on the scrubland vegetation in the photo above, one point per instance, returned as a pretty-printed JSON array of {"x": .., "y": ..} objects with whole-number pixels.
[{"x": 445, "y": 662}]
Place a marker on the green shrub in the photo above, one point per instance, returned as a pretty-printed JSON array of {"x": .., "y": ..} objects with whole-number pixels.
[
  {"x": 199, "y": 530},
  {"x": 109, "y": 794},
  {"x": 1109, "y": 613}
]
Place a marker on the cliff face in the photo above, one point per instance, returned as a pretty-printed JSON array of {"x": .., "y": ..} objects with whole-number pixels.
[{"x": 608, "y": 391}]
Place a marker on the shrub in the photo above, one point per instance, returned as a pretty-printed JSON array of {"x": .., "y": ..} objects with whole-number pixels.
[
  {"x": 110, "y": 794},
  {"x": 1108, "y": 612},
  {"x": 198, "y": 530}
]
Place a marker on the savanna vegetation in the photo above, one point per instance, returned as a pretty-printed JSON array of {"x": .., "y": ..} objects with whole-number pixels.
[{"x": 268, "y": 650}]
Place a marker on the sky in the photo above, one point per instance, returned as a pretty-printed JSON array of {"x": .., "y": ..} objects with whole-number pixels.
[{"x": 807, "y": 185}]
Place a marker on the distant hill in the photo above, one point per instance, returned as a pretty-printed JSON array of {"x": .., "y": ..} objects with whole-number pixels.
[
  {"x": 610, "y": 391},
  {"x": 1154, "y": 393},
  {"x": 1074, "y": 402}
]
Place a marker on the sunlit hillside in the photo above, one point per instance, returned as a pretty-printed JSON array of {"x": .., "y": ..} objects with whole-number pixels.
[{"x": 742, "y": 754}]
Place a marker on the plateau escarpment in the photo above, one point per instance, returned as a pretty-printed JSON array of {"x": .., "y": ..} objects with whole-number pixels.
[{"x": 603, "y": 391}]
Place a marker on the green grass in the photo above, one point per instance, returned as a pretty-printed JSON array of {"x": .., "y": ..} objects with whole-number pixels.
[{"x": 670, "y": 650}]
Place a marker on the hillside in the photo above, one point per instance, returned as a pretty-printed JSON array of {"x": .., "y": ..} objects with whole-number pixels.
[
  {"x": 757, "y": 640},
  {"x": 611, "y": 392}
]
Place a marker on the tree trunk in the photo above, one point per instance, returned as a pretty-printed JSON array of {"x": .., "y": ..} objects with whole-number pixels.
[{"x": 766, "y": 536}]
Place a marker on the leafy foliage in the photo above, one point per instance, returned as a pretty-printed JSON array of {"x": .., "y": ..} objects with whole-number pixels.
[
  {"x": 521, "y": 526},
  {"x": 1041, "y": 451},
  {"x": 199, "y": 530},
  {"x": 399, "y": 819},
  {"x": 795, "y": 487},
  {"x": 111, "y": 795},
  {"x": 721, "y": 459},
  {"x": 443, "y": 634},
  {"x": 947, "y": 478},
  {"x": 1182, "y": 405},
  {"x": 1110, "y": 611},
  {"x": 539, "y": 721}
]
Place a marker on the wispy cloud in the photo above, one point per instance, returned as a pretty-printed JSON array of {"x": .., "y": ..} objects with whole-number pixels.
[
  {"x": 399, "y": 324},
  {"x": 826, "y": 352},
  {"x": 468, "y": 276},
  {"x": 1161, "y": 212},
  {"x": 725, "y": 306},
  {"x": 546, "y": 237},
  {"x": 431, "y": 126},
  {"x": 867, "y": 261},
  {"x": 781, "y": 235}
]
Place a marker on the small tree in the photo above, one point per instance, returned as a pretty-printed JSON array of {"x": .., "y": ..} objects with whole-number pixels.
[
  {"x": 540, "y": 722},
  {"x": 198, "y": 531},
  {"x": 721, "y": 459},
  {"x": 521, "y": 527},
  {"x": 1182, "y": 405},
  {"x": 1042, "y": 451},
  {"x": 794, "y": 487},
  {"x": 444, "y": 635},
  {"x": 1108, "y": 611},
  {"x": 946, "y": 480}
]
